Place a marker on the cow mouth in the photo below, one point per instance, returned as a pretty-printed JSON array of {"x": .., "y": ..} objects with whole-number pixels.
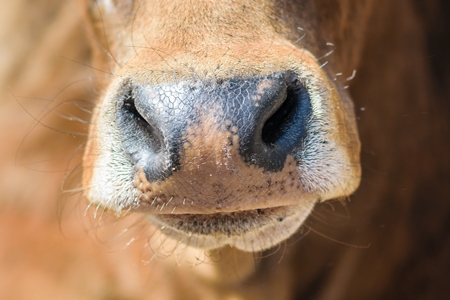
[
  {"x": 228, "y": 224},
  {"x": 249, "y": 230}
]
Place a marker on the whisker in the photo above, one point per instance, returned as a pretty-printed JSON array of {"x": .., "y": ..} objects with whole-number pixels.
[
  {"x": 105, "y": 36},
  {"x": 352, "y": 76},
  {"x": 86, "y": 65},
  {"x": 329, "y": 52},
  {"x": 335, "y": 240},
  {"x": 302, "y": 37}
]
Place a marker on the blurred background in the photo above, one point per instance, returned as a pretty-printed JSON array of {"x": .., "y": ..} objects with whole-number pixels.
[{"x": 47, "y": 248}]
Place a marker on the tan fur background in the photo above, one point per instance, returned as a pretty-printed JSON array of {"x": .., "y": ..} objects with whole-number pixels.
[{"x": 45, "y": 249}]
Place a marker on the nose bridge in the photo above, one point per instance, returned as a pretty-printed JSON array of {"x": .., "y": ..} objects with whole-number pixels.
[{"x": 181, "y": 23}]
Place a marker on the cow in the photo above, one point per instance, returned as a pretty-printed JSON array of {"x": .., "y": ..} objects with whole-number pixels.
[
  {"x": 217, "y": 144},
  {"x": 228, "y": 130}
]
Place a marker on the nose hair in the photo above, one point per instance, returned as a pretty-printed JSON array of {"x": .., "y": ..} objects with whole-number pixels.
[{"x": 269, "y": 114}]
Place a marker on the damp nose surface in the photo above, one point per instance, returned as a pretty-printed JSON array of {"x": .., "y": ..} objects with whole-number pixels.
[{"x": 269, "y": 114}]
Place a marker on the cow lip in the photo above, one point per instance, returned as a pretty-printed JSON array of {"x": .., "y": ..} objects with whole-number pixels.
[
  {"x": 226, "y": 223},
  {"x": 247, "y": 230},
  {"x": 243, "y": 205}
]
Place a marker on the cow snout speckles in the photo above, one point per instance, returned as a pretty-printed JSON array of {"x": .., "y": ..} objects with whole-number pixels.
[{"x": 213, "y": 177}]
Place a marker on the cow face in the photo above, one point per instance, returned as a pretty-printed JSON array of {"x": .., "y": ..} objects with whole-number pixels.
[{"x": 218, "y": 121}]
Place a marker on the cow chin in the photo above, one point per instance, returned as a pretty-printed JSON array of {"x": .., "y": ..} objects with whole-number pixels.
[{"x": 250, "y": 231}]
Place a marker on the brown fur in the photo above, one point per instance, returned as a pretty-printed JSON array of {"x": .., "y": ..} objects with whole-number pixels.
[{"x": 400, "y": 211}]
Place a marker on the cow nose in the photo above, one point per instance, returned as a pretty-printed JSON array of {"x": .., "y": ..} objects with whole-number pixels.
[
  {"x": 278, "y": 126},
  {"x": 141, "y": 133},
  {"x": 268, "y": 114}
]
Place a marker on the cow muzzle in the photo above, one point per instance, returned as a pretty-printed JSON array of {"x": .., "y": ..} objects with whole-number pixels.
[{"x": 223, "y": 160}]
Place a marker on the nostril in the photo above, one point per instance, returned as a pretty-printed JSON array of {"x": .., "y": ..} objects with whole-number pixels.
[
  {"x": 143, "y": 129},
  {"x": 280, "y": 124},
  {"x": 288, "y": 120},
  {"x": 277, "y": 125},
  {"x": 128, "y": 104}
]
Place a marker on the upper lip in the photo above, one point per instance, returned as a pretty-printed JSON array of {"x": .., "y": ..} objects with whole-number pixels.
[{"x": 197, "y": 208}]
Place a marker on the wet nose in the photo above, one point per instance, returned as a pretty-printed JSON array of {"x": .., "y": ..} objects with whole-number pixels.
[{"x": 269, "y": 114}]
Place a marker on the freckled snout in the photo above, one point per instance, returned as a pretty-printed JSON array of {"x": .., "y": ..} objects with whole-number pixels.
[{"x": 262, "y": 117}]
